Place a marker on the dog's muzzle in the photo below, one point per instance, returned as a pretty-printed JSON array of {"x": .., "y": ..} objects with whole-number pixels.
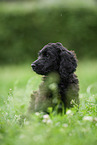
[{"x": 33, "y": 66}]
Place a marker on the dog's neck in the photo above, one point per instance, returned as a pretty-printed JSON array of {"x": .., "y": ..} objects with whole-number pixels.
[{"x": 61, "y": 79}]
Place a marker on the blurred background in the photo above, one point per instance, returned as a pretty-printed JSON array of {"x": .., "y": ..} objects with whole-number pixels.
[{"x": 26, "y": 26}]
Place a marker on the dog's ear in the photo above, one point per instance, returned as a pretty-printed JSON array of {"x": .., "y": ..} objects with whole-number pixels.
[{"x": 68, "y": 63}]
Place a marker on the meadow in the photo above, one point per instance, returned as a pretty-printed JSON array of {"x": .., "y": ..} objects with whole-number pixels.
[{"x": 17, "y": 82}]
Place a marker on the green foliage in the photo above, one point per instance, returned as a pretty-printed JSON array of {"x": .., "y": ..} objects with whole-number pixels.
[
  {"x": 73, "y": 128},
  {"x": 26, "y": 27}
]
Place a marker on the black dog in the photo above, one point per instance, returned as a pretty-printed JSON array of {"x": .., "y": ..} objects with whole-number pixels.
[{"x": 58, "y": 65}]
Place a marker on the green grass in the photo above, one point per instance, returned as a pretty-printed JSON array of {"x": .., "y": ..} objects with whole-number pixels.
[{"x": 73, "y": 128}]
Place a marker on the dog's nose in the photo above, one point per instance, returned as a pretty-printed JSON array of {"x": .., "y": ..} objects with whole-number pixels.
[{"x": 33, "y": 65}]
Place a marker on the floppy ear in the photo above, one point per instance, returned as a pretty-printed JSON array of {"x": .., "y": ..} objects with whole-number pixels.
[{"x": 68, "y": 63}]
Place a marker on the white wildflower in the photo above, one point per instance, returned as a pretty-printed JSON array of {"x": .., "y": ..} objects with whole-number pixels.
[
  {"x": 46, "y": 116},
  {"x": 44, "y": 120},
  {"x": 88, "y": 118},
  {"x": 6, "y": 113},
  {"x": 49, "y": 121},
  {"x": 16, "y": 116},
  {"x": 37, "y": 113},
  {"x": 65, "y": 125},
  {"x": 69, "y": 112}
]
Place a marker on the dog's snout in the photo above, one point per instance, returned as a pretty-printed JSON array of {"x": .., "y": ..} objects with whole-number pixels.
[{"x": 33, "y": 65}]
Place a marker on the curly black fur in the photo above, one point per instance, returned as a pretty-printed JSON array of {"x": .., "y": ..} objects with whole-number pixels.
[{"x": 54, "y": 58}]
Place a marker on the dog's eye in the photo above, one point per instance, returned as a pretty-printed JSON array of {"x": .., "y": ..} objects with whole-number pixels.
[{"x": 46, "y": 54}]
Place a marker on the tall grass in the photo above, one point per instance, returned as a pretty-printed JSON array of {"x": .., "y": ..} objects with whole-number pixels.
[{"x": 72, "y": 128}]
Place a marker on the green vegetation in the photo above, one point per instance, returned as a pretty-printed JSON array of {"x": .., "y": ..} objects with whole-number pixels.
[
  {"x": 17, "y": 83},
  {"x": 25, "y": 27}
]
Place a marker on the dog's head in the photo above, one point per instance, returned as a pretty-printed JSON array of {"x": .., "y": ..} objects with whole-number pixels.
[{"x": 55, "y": 58}]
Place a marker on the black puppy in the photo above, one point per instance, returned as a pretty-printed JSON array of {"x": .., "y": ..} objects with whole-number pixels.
[{"x": 58, "y": 65}]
